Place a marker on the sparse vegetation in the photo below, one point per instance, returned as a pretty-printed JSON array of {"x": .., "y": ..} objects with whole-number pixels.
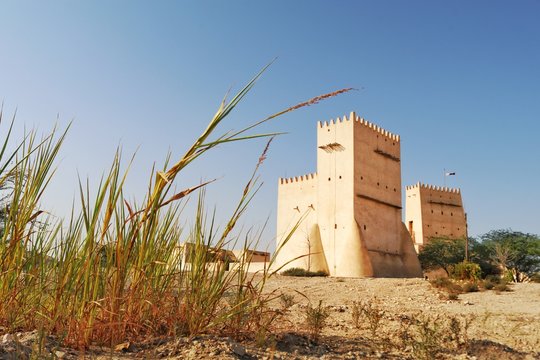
[
  {"x": 370, "y": 312},
  {"x": 116, "y": 271},
  {"x": 466, "y": 270},
  {"x": 470, "y": 286},
  {"x": 430, "y": 336},
  {"x": 316, "y": 319},
  {"x": 287, "y": 301},
  {"x": 501, "y": 287},
  {"x": 447, "y": 284},
  {"x": 302, "y": 272}
]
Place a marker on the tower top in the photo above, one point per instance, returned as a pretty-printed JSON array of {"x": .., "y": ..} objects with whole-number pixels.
[
  {"x": 420, "y": 185},
  {"x": 360, "y": 121}
]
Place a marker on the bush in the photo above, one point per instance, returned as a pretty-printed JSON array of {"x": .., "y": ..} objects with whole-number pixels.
[
  {"x": 287, "y": 301},
  {"x": 466, "y": 271},
  {"x": 316, "y": 320},
  {"x": 502, "y": 287},
  {"x": 488, "y": 284},
  {"x": 441, "y": 282},
  {"x": 470, "y": 287},
  {"x": 535, "y": 278},
  {"x": 303, "y": 273},
  {"x": 446, "y": 284},
  {"x": 369, "y": 311}
]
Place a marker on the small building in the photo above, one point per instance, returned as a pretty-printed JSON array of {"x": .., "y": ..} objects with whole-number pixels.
[
  {"x": 251, "y": 256},
  {"x": 250, "y": 260},
  {"x": 349, "y": 214},
  {"x": 434, "y": 212}
]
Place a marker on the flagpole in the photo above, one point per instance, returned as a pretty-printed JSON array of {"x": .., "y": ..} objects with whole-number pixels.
[{"x": 444, "y": 176}]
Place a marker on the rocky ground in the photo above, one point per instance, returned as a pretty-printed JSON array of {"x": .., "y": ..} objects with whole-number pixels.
[{"x": 416, "y": 321}]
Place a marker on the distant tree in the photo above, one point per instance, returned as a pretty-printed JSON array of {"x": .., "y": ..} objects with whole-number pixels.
[
  {"x": 442, "y": 253},
  {"x": 512, "y": 252},
  {"x": 481, "y": 255}
]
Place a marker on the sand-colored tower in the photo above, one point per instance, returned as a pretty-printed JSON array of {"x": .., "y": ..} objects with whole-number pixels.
[
  {"x": 352, "y": 223},
  {"x": 434, "y": 212}
]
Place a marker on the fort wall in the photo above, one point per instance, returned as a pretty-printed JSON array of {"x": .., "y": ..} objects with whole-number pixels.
[
  {"x": 297, "y": 207},
  {"x": 356, "y": 222},
  {"x": 434, "y": 212}
]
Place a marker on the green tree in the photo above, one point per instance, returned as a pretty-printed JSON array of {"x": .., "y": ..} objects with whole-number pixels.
[
  {"x": 511, "y": 251},
  {"x": 442, "y": 253}
]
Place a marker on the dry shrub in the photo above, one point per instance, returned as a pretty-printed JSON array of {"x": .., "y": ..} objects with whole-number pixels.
[
  {"x": 287, "y": 301},
  {"x": 303, "y": 273},
  {"x": 428, "y": 337},
  {"x": 316, "y": 320},
  {"x": 502, "y": 287},
  {"x": 451, "y": 288},
  {"x": 470, "y": 287},
  {"x": 116, "y": 270},
  {"x": 367, "y": 312}
]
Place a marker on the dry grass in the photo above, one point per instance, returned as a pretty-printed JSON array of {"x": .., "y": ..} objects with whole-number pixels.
[{"x": 115, "y": 271}]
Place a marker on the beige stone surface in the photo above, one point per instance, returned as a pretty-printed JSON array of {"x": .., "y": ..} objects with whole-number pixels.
[
  {"x": 348, "y": 216},
  {"x": 434, "y": 212}
]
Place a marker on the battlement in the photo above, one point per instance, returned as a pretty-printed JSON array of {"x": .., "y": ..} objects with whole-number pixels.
[
  {"x": 358, "y": 120},
  {"x": 433, "y": 187},
  {"x": 297, "y": 179}
]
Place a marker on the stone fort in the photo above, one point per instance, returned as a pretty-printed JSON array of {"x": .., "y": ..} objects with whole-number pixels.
[
  {"x": 348, "y": 213},
  {"x": 434, "y": 212}
]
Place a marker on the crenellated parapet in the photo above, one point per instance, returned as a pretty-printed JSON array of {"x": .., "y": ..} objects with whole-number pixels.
[
  {"x": 420, "y": 185},
  {"x": 360, "y": 121},
  {"x": 298, "y": 179}
]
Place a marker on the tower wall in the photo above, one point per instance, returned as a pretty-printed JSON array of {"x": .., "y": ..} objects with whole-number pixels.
[
  {"x": 357, "y": 191},
  {"x": 377, "y": 187},
  {"x": 297, "y": 204},
  {"x": 436, "y": 212},
  {"x": 335, "y": 156}
]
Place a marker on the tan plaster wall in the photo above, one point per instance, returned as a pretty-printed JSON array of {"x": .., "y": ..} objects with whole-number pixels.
[
  {"x": 438, "y": 211},
  {"x": 335, "y": 212},
  {"x": 413, "y": 215},
  {"x": 358, "y": 205},
  {"x": 297, "y": 201},
  {"x": 377, "y": 187}
]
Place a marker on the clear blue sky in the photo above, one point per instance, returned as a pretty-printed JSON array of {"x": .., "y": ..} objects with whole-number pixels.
[{"x": 458, "y": 80}]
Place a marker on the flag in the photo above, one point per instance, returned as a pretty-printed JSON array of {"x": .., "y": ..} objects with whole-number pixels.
[{"x": 450, "y": 173}]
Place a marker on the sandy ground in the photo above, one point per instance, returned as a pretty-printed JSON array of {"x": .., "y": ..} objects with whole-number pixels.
[
  {"x": 503, "y": 325},
  {"x": 508, "y": 318}
]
